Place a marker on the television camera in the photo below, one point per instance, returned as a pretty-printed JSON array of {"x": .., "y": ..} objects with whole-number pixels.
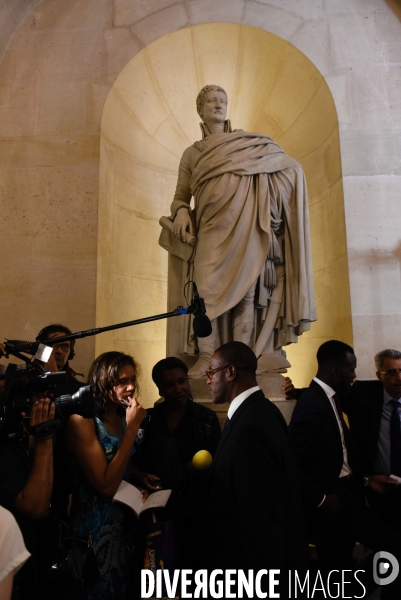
[{"x": 24, "y": 382}]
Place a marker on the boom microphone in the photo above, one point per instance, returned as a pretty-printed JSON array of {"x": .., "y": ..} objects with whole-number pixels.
[
  {"x": 202, "y": 324},
  {"x": 41, "y": 351}
]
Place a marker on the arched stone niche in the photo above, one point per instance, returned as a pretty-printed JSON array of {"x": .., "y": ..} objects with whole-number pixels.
[{"x": 150, "y": 118}]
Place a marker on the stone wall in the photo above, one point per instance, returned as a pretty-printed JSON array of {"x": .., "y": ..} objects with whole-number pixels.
[{"x": 55, "y": 74}]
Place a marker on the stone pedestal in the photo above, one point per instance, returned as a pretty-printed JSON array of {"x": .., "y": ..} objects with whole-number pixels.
[{"x": 270, "y": 383}]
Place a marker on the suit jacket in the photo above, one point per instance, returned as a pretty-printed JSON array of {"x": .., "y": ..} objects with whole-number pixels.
[
  {"x": 364, "y": 407},
  {"x": 254, "y": 516},
  {"x": 317, "y": 444}
]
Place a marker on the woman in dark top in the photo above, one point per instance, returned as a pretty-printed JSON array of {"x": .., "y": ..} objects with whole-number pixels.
[{"x": 177, "y": 429}]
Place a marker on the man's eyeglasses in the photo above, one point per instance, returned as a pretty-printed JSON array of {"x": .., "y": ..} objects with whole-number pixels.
[
  {"x": 391, "y": 373},
  {"x": 64, "y": 346},
  {"x": 210, "y": 372}
]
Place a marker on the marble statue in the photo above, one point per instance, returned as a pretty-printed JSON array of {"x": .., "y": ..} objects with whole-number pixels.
[{"x": 246, "y": 242}]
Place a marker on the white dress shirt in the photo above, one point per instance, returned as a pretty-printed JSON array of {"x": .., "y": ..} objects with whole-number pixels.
[
  {"x": 345, "y": 469},
  {"x": 239, "y": 400}
]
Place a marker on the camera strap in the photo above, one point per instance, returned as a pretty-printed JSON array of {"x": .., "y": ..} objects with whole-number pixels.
[{"x": 45, "y": 429}]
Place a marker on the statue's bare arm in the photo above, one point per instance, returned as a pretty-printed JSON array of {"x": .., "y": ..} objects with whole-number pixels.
[{"x": 180, "y": 208}]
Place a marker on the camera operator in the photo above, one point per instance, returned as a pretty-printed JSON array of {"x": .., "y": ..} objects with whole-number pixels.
[
  {"x": 26, "y": 482},
  {"x": 62, "y": 354}
]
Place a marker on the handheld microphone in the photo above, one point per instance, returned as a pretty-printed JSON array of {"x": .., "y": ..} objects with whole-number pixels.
[{"x": 202, "y": 324}]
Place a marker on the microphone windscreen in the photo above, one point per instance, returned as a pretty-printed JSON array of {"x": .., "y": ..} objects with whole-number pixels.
[
  {"x": 22, "y": 346},
  {"x": 202, "y": 326}
]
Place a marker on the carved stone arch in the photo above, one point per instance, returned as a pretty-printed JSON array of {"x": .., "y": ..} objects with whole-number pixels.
[{"x": 150, "y": 118}]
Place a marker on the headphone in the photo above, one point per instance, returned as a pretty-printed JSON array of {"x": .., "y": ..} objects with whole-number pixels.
[{"x": 44, "y": 333}]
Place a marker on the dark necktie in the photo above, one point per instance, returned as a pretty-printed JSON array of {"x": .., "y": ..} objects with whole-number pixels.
[
  {"x": 349, "y": 444},
  {"x": 395, "y": 440},
  {"x": 226, "y": 423}
]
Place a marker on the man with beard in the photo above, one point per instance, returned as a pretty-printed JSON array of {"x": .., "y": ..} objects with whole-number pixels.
[{"x": 62, "y": 354}]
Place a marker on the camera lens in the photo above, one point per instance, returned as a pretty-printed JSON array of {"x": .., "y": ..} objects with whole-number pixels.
[{"x": 81, "y": 403}]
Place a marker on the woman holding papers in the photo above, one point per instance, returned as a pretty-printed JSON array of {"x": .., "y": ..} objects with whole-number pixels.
[
  {"x": 177, "y": 429},
  {"x": 102, "y": 448}
]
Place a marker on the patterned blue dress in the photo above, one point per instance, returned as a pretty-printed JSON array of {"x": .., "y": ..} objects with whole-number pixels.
[{"x": 112, "y": 526}]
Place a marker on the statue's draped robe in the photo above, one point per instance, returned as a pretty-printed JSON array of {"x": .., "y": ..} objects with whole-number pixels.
[{"x": 251, "y": 211}]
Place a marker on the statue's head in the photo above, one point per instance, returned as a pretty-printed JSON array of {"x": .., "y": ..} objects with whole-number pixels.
[{"x": 215, "y": 93}]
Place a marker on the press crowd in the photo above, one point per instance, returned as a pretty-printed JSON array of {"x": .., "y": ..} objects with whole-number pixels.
[{"x": 327, "y": 480}]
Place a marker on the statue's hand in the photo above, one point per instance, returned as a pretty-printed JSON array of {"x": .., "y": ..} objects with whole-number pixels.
[{"x": 182, "y": 224}]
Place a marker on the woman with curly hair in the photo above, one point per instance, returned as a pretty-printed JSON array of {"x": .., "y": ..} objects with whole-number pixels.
[{"x": 102, "y": 448}]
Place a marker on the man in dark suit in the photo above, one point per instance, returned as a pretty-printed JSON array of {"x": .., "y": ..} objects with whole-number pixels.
[
  {"x": 329, "y": 458},
  {"x": 254, "y": 516},
  {"x": 374, "y": 409}
]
